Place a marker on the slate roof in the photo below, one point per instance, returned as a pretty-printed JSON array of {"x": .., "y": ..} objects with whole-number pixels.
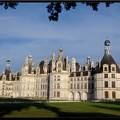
[
  {"x": 41, "y": 67},
  {"x": 107, "y": 59}
]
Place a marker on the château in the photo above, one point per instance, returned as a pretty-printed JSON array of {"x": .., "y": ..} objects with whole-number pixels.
[{"x": 57, "y": 79}]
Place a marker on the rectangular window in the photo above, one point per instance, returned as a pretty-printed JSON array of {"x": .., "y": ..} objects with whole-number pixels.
[
  {"x": 105, "y": 75},
  {"x": 58, "y": 85},
  {"x": 85, "y": 86},
  {"x": 105, "y": 68},
  {"x": 113, "y": 68},
  {"x": 113, "y": 94},
  {"x": 113, "y": 75},
  {"x": 71, "y": 79},
  {"x": 113, "y": 84},
  {"x": 78, "y": 86},
  {"x": 71, "y": 86},
  {"x": 106, "y": 94},
  {"x": 58, "y": 93},
  {"x": 85, "y": 78},
  {"x": 54, "y": 94},
  {"x": 77, "y": 78},
  {"x": 58, "y": 78},
  {"x": 54, "y": 85},
  {"x": 106, "y": 84},
  {"x": 74, "y": 86},
  {"x": 81, "y": 85}
]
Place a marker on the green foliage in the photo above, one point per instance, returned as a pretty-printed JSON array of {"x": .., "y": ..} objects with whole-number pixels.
[
  {"x": 9, "y": 5},
  {"x": 55, "y": 8}
]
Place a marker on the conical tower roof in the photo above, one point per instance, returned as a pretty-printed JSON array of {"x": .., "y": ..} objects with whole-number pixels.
[{"x": 107, "y": 59}]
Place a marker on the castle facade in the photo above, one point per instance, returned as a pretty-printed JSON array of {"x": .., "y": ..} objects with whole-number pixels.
[{"x": 57, "y": 79}]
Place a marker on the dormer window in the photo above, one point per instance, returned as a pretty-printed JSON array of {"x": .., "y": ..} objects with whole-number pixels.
[
  {"x": 113, "y": 68},
  {"x": 105, "y": 68}
]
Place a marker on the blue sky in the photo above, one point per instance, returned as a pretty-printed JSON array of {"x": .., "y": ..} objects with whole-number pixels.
[{"x": 81, "y": 32}]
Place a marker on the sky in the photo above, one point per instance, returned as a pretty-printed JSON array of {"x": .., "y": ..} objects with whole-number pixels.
[{"x": 81, "y": 32}]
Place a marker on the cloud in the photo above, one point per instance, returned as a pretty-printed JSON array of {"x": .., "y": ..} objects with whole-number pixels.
[{"x": 81, "y": 34}]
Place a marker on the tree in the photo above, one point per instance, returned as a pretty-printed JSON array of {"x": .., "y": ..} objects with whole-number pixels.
[{"x": 55, "y": 8}]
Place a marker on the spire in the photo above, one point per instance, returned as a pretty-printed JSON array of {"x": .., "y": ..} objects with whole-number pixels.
[
  {"x": 88, "y": 60},
  {"x": 60, "y": 54},
  {"x": 8, "y": 65},
  {"x": 107, "y": 47}
]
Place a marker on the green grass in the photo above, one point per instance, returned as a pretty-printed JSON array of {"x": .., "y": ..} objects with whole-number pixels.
[{"x": 66, "y": 109}]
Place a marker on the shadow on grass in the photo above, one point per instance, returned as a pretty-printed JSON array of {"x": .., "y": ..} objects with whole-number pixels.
[
  {"x": 108, "y": 106},
  {"x": 6, "y": 109}
]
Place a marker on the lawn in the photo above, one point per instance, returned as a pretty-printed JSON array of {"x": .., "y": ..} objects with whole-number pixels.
[{"x": 60, "y": 109}]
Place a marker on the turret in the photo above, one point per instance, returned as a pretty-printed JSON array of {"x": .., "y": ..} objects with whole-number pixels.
[
  {"x": 60, "y": 54},
  {"x": 8, "y": 65},
  {"x": 45, "y": 65},
  {"x": 107, "y": 47},
  {"x": 73, "y": 65}
]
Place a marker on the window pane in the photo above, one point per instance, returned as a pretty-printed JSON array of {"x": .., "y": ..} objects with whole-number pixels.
[
  {"x": 105, "y": 68},
  {"x": 58, "y": 78},
  {"x": 85, "y": 85},
  {"x": 74, "y": 86},
  {"x": 58, "y": 85},
  {"x": 106, "y": 84},
  {"x": 113, "y": 68},
  {"x": 113, "y": 75},
  {"x": 58, "y": 93},
  {"x": 81, "y": 85},
  {"x": 113, "y": 94},
  {"x": 54, "y": 94},
  {"x": 105, "y": 75},
  {"x": 113, "y": 84},
  {"x": 106, "y": 94}
]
